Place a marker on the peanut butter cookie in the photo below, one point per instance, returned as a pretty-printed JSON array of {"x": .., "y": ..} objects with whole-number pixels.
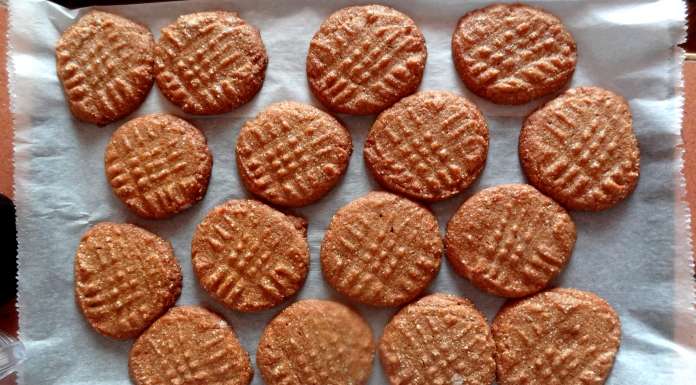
[
  {"x": 365, "y": 58},
  {"x": 439, "y": 339},
  {"x": 125, "y": 277},
  {"x": 510, "y": 240},
  {"x": 210, "y": 62},
  {"x": 316, "y": 342},
  {"x": 558, "y": 337},
  {"x": 513, "y": 53},
  {"x": 158, "y": 165},
  {"x": 381, "y": 249},
  {"x": 292, "y": 154},
  {"x": 580, "y": 149},
  {"x": 106, "y": 65},
  {"x": 249, "y": 256},
  {"x": 189, "y": 346},
  {"x": 428, "y": 146}
]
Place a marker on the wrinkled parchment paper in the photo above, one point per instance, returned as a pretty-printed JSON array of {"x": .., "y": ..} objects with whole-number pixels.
[{"x": 636, "y": 255}]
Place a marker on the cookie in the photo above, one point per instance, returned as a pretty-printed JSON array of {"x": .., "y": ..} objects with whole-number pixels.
[
  {"x": 381, "y": 250},
  {"x": 158, "y": 165},
  {"x": 513, "y": 53},
  {"x": 189, "y": 345},
  {"x": 580, "y": 149},
  {"x": 210, "y": 62},
  {"x": 365, "y": 58},
  {"x": 316, "y": 342},
  {"x": 510, "y": 240},
  {"x": 125, "y": 277},
  {"x": 439, "y": 339},
  {"x": 249, "y": 256},
  {"x": 562, "y": 336},
  {"x": 292, "y": 154},
  {"x": 106, "y": 65},
  {"x": 428, "y": 146}
]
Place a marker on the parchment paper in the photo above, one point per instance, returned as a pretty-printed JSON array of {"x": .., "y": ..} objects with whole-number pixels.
[{"x": 635, "y": 255}]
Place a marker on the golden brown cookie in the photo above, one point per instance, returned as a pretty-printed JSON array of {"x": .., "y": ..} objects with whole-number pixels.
[
  {"x": 439, "y": 339},
  {"x": 210, "y": 62},
  {"x": 189, "y": 346},
  {"x": 510, "y": 240},
  {"x": 292, "y": 154},
  {"x": 580, "y": 149},
  {"x": 513, "y": 53},
  {"x": 249, "y": 256},
  {"x": 381, "y": 249},
  {"x": 106, "y": 65},
  {"x": 316, "y": 342},
  {"x": 365, "y": 58},
  {"x": 158, "y": 165},
  {"x": 428, "y": 146},
  {"x": 558, "y": 337},
  {"x": 125, "y": 277}
]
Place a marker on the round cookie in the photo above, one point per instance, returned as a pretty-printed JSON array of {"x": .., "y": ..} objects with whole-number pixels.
[
  {"x": 316, "y": 342},
  {"x": 292, "y": 154},
  {"x": 513, "y": 53},
  {"x": 158, "y": 165},
  {"x": 440, "y": 339},
  {"x": 365, "y": 58},
  {"x": 125, "y": 277},
  {"x": 561, "y": 336},
  {"x": 510, "y": 240},
  {"x": 210, "y": 62},
  {"x": 189, "y": 345},
  {"x": 381, "y": 249},
  {"x": 106, "y": 65},
  {"x": 249, "y": 256},
  {"x": 580, "y": 149},
  {"x": 428, "y": 146}
]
